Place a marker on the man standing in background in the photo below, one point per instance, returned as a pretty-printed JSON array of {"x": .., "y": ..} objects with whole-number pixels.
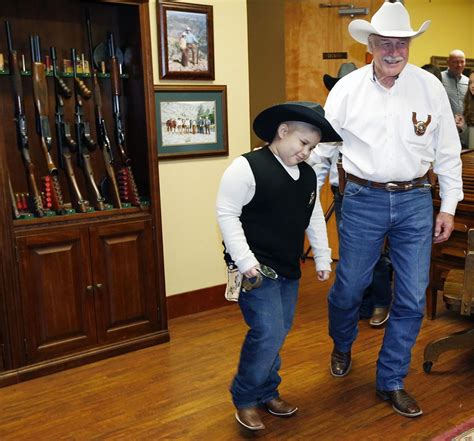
[{"x": 455, "y": 84}]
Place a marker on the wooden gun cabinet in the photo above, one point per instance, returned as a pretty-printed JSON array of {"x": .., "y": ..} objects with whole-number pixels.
[{"x": 79, "y": 287}]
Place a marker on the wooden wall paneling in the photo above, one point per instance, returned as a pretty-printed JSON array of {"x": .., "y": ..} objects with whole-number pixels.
[
  {"x": 309, "y": 32},
  {"x": 266, "y": 42}
]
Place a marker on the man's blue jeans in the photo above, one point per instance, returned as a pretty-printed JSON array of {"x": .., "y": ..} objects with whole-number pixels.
[
  {"x": 268, "y": 311},
  {"x": 379, "y": 292},
  {"x": 368, "y": 216}
]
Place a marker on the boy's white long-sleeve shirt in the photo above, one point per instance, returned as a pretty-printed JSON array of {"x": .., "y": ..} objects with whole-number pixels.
[{"x": 237, "y": 188}]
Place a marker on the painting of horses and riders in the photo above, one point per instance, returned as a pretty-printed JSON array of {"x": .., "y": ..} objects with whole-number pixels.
[{"x": 188, "y": 122}]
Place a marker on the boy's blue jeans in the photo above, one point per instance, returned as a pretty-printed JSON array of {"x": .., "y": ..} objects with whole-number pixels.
[
  {"x": 406, "y": 218},
  {"x": 268, "y": 311}
]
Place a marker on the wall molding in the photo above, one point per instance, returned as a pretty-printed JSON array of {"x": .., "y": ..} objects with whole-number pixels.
[{"x": 196, "y": 301}]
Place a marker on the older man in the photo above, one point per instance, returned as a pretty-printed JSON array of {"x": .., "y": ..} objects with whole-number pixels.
[
  {"x": 391, "y": 117},
  {"x": 456, "y": 85}
]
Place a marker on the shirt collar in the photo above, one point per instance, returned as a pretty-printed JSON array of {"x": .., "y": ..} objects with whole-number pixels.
[
  {"x": 375, "y": 80},
  {"x": 454, "y": 77}
]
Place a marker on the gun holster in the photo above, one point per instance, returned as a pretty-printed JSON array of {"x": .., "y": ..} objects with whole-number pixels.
[
  {"x": 432, "y": 177},
  {"x": 341, "y": 175}
]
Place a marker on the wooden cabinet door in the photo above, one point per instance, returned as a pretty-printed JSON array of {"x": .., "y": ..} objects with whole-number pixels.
[
  {"x": 57, "y": 296},
  {"x": 125, "y": 288}
]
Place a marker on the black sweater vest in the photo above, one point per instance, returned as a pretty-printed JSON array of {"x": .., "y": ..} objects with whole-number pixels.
[{"x": 275, "y": 220}]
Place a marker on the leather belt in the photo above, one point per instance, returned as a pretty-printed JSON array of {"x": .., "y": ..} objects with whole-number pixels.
[{"x": 394, "y": 185}]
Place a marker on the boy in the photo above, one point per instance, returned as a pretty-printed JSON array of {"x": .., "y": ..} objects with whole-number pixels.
[{"x": 267, "y": 199}]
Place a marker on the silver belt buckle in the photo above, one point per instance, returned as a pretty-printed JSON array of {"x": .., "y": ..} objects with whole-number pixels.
[{"x": 390, "y": 186}]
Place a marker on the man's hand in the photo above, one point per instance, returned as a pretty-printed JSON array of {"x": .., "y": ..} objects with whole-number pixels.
[
  {"x": 443, "y": 227},
  {"x": 323, "y": 275},
  {"x": 459, "y": 120}
]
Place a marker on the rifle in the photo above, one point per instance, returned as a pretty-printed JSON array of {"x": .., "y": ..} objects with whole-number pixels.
[
  {"x": 66, "y": 143},
  {"x": 20, "y": 121},
  {"x": 84, "y": 141},
  {"x": 16, "y": 213},
  {"x": 129, "y": 187},
  {"x": 40, "y": 93},
  {"x": 102, "y": 136}
]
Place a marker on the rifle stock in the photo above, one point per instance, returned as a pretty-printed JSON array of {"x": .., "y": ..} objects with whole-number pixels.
[
  {"x": 40, "y": 94},
  {"x": 16, "y": 213}
]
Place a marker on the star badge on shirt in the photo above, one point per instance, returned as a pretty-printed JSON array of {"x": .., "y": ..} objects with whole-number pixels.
[{"x": 420, "y": 126}]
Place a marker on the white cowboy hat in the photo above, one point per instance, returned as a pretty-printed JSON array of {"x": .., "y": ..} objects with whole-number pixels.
[{"x": 391, "y": 20}]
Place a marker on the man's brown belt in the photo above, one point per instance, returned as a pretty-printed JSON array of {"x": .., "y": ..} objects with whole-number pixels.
[{"x": 392, "y": 186}]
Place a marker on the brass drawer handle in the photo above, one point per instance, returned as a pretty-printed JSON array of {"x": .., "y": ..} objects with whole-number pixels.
[
  {"x": 460, "y": 227},
  {"x": 454, "y": 251}
]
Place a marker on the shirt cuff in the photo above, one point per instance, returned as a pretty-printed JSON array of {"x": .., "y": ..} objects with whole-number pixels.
[
  {"x": 323, "y": 263},
  {"x": 246, "y": 263},
  {"x": 449, "y": 206}
]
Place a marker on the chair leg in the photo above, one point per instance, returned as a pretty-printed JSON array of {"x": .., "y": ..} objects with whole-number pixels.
[
  {"x": 431, "y": 302},
  {"x": 458, "y": 340}
]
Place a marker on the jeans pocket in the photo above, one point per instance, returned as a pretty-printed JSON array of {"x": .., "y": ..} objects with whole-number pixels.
[
  {"x": 352, "y": 189},
  {"x": 425, "y": 189}
]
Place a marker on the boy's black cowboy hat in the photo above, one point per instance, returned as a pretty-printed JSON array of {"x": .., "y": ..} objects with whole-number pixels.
[
  {"x": 266, "y": 123},
  {"x": 344, "y": 69}
]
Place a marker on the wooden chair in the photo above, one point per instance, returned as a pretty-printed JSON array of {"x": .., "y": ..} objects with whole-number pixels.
[{"x": 458, "y": 296}]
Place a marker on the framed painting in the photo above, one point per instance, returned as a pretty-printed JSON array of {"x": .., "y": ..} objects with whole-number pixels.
[
  {"x": 191, "y": 121},
  {"x": 186, "y": 41}
]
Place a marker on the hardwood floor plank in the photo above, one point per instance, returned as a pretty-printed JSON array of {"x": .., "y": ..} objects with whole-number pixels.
[{"x": 179, "y": 390}]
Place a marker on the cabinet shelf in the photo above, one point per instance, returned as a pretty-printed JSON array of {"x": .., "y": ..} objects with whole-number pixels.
[{"x": 27, "y": 73}]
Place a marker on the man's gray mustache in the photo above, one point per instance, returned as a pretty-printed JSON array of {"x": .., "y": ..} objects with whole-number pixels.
[{"x": 393, "y": 59}]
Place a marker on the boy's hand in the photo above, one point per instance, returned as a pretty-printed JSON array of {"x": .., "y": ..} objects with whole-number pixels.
[
  {"x": 323, "y": 275},
  {"x": 252, "y": 272}
]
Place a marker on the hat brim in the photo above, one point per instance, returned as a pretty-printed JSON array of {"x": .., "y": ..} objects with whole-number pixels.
[
  {"x": 361, "y": 29},
  {"x": 266, "y": 123},
  {"x": 330, "y": 81}
]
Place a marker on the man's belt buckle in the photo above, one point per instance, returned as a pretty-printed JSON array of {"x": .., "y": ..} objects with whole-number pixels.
[{"x": 392, "y": 186}]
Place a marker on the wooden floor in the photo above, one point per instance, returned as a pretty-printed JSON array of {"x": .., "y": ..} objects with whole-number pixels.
[{"x": 179, "y": 390}]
